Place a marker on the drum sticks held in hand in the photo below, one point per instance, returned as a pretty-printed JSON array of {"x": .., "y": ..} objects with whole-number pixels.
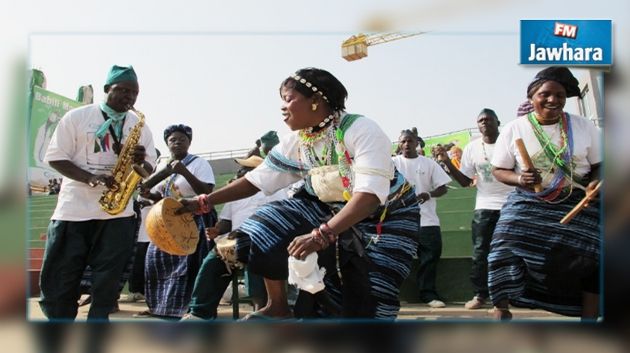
[
  {"x": 582, "y": 204},
  {"x": 527, "y": 161}
]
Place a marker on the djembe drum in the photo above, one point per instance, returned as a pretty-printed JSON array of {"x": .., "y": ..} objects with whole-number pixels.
[
  {"x": 226, "y": 249},
  {"x": 171, "y": 233}
]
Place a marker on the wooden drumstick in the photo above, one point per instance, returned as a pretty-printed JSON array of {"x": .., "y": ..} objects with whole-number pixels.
[
  {"x": 582, "y": 204},
  {"x": 527, "y": 161},
  {"x": 156, "y": 178}
]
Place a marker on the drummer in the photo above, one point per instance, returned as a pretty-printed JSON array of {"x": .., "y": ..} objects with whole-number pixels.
[
  {"x": 169, "y": 278},
  {"x": 214, "y": 276}
]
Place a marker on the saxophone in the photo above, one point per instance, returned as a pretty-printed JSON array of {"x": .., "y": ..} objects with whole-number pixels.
[{"x": 126, "y": 175}]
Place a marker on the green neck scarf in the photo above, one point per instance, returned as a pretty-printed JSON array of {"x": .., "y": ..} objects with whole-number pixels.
[{"x": 115, "y": 118}]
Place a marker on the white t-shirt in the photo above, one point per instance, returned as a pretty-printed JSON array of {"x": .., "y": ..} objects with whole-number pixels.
[
  {"x": 586, "y": 146},
  {"x": 238, "y": 211},
  {"x": 366, "y": 143},
  {"x": 75, "y": 140},
  {"x": 491, "y": 194},
  {"x": 425, "y": 175},
  {"x": 143, "y": 236},
  {"x": 178, "y": 185}
]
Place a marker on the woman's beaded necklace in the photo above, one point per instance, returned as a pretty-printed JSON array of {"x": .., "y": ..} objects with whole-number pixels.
[
  {"x": 308, "y": 140},
  {"x": 333, "y": 152},
  {"x": 560, "y": 157},
  {"x": 345, "y": 165}
]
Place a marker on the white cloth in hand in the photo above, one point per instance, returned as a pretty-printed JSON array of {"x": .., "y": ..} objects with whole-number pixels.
[{"x": 306, "y": 274}]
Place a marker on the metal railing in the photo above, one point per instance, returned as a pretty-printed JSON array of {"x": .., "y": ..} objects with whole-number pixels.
[
  {"x": 224, "y": 154},
  {"x": 209, "y": 156},
  {"x": 242, "y": 152}
]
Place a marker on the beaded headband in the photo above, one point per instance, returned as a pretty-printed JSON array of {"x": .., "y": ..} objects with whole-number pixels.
[{"x": 303, "y": 81}]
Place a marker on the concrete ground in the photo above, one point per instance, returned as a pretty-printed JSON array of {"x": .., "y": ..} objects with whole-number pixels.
[{"x": 408, "y": 312}]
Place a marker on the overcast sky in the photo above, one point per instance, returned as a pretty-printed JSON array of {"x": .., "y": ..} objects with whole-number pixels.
[{"x": 217, "y": 67}]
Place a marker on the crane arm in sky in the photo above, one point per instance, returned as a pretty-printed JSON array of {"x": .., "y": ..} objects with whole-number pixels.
[{"x": 355, "y": 47}]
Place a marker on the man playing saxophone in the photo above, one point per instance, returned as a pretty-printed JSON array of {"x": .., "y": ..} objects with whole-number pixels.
[{"x": 84, "y": 149}]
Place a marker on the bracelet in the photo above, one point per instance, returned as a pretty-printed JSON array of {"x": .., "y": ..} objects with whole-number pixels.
[
  {"x": 520, "y": 179},
  {"x": 204, "y": 205},
  {"x": 327, "y": 232},
  {"x": 319, "y": 239}
]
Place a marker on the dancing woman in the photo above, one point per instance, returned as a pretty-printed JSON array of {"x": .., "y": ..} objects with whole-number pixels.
[{"x": 371, "y": 214}]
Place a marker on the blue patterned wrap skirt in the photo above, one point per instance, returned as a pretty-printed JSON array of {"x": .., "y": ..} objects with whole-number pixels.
[
  {"x": 537, "y": 262},
  {"x": 263, "y": 239},
  {"x": 169, "y": 279}
]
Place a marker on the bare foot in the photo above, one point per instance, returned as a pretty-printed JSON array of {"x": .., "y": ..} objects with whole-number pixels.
[{"x": 502, "y": 314}]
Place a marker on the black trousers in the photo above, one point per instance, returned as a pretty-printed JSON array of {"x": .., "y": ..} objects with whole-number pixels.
[
  {"x": 483, "y": 224},
  {"x": 104, "y": 245},
  {"x": 429, "y": 252}
]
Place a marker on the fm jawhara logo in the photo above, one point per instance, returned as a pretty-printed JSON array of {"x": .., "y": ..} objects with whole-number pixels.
[{"x": 566, "y": 42}]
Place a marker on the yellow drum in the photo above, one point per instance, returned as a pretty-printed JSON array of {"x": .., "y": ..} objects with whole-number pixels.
[{"x": 171, "y": 233}]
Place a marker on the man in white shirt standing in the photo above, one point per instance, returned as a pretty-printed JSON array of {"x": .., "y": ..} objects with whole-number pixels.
[
  {"x": 491, "y": 195},
  {"x": 84, "y": 149},
  {"x": 429, "y": 180}
]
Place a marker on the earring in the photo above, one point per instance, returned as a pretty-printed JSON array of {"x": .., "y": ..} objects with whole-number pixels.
[{"x": 314, "y": 106}]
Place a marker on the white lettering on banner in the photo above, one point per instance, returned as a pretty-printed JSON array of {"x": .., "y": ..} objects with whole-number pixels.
[
  {"x": 47, "y": 100},
  {"x": 565, "y": 30},
  {"x": 565, "y": 53}
]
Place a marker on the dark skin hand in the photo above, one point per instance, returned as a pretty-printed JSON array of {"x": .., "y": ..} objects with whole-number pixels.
[
  {"x": 223, "y": 226},
  {"x": 197, "y": 185},
  {"x": 358, "y": 208},
  {"x": 147, "y": 194},
  {"x": 302, "y": 246},
  {"x": 177, "y": 167},
  {"x": 425, "y": 196},
  {"x": 442, "y": 156},
  {"x": 530, "y": 178},
  {"x": 527, "y": 179},
  {"x": 72, "y": 171},
  {"x": 236, "y": 190},
  {"x": 178, "y": 144},
  {"x": 138, "y": 155},
  {"x": 594, "y": 177}
]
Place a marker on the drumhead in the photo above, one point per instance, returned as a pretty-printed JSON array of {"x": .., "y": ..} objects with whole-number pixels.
[{"x": 171, "y": 233}]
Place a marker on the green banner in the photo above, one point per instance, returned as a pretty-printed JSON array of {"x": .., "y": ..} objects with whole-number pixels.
[
  {"x": 458, "y": 138},
  {"x": 47, "y": 108}
]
